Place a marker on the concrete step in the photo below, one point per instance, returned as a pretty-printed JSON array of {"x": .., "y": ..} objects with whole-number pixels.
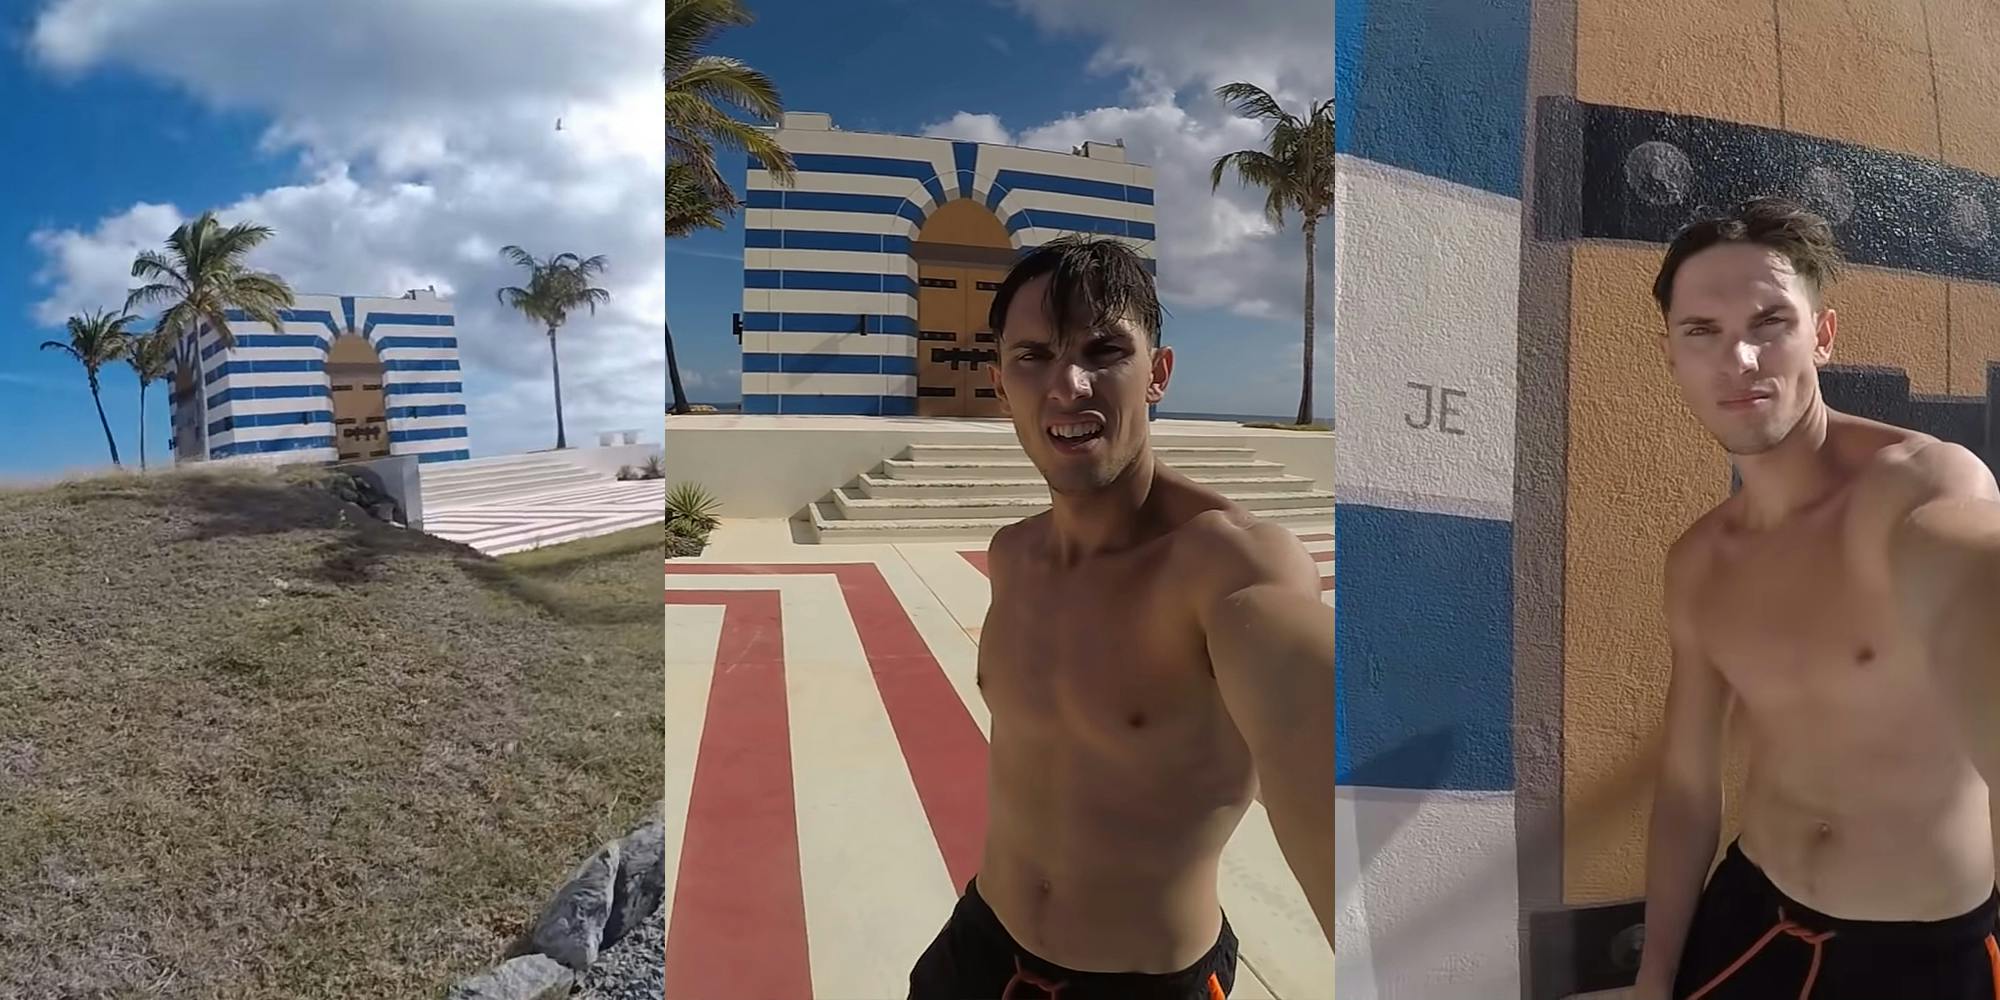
[
  {"x": 488, "y": 493},
  {"x": 459, "y": 481},
  {"x": 1011, "y": 452},
  {"x": 501, "y": 541},
  {"x": 859, "y": 508},
  {"x": 829, "y": 527},
  {"x": 883, "y": 488},
  {"x": 1024, "y": 469}
]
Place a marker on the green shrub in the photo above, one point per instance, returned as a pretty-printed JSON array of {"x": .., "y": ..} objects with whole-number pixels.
[{"x": 693, "y": 506}]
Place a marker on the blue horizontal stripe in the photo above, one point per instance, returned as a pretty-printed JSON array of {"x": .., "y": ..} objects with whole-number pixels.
[
  {"x": 405, "y": 319},
  {"x": 812, "y": 239},
  {"x": 427, "y": 434},
  {"x": 267, "y": 392},
  {"x": 254, "y": 366},
  {"x": 401, "y": 343},
  {"x": 1037, "y": 218},
  {"x": 437, "y": 410},
  {"x": 1435, "y": 87},
  {"x": 267, "y": 340},
  {"x": 868, "y": 406},
  {"x": 321, "y": 316},
  {"x": 771, "y": 322},
  {"x": 829, "y": 364},
  {"x": 271, "y": 445},
  {"x": 427, "y": 457},
  {"x": 1023, "y": 180},
  {"x": 270, "y": 420},
  {"x": 421, "y": 388},
  {"x": 828, "y": 201},
  {"x": 1425, "y": 639},
  {"x": 419, "y": 365},
  {"x": 829, "y": 281},
  {"x": 871, "y": 166}
]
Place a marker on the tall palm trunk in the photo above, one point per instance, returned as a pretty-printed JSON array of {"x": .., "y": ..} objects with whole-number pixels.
[
  {"x": 97, "y": 398},
  {"x": 674, "y": 375},
  {"x": 555, "y": 365},
  {"x": 142, "y": 425},
  {"x": 1306, "y": 391}
]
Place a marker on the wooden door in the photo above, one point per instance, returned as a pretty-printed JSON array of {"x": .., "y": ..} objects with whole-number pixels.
[
  {"x": 980, "y": 399},
  {"x": 942, "y": 340},
  {"x": 360, "y": 415}
]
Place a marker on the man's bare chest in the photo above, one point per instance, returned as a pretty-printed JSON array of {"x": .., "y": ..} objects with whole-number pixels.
[
  {"x": 1115, "y": 663},
  {"x": 1796, "y": 618}
]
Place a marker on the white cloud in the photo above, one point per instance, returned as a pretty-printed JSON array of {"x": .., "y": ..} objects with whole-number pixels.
[
  {"x": 425, "y": 138},
  {"x": 1217, "y": 250},
  {"x": 971, "y": 128}
]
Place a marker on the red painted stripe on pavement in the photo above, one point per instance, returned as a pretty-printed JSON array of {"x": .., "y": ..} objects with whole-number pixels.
[
  {"x": 1316, "y": 538},
  {"x": 739, "y": 922},
  {"x": 1326, "y": 583},
  {"x": 978, "y": 561},
  {"x": 1322, "y": 556},
  {"x": 941, "y": 743}
]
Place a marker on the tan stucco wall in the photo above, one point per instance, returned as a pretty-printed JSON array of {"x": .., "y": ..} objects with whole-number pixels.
[{"x": 1640, "y": 469}]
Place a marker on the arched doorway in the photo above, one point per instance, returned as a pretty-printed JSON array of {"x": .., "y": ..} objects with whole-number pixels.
[
  {"x": 360, "y": 415},
  {"x": 962, "y": 254}
]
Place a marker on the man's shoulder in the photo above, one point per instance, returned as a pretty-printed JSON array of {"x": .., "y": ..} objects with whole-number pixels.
[
  {"x": 1915, "y": 469},
  {"x": 1236, "y": 549}
]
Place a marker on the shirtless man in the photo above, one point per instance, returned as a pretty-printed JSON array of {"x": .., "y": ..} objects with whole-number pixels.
[
  {"x": 1843, "y": 602},
  {"x": 1154, "y": 657}
]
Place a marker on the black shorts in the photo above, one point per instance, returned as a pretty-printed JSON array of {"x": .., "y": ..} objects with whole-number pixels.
[
  {"x": 1749, "y": 941},
  {"x": 974, "y": 958}
]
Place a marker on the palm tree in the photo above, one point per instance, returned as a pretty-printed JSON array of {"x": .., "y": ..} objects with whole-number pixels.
[
  {"x": 555, "y": 286},
  {"x": 200, "y": 278},
  {"x": 1296, "y": 172},
  {"x": 152, "y": 359},
  {"x": 94, "y": 341},
  {"x": 702, "y": 90}
]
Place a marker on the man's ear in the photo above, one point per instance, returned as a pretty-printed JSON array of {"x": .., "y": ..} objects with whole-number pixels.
[
  {"x": 999, "y": 388},
  {"x": 1825, "y": 328},
  {"x": 1162, "y": 373}
]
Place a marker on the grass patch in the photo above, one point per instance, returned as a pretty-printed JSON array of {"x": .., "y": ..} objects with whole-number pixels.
[
  {"x": 1309, "y": 428},
  {"x": 254, "y": 745}
]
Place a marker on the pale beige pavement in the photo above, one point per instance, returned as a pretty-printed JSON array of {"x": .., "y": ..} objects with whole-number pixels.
[{"x": 825, "y": 832}]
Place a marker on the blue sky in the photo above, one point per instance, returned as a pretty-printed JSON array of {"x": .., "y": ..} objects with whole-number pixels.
[
  {"x": 1048, "y": 73},
  {"x": 397, "y": 146},
  {"x": 79, "y": 149}
]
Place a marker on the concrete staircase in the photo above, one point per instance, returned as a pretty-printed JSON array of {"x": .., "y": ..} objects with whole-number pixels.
[
  {"x": 514, "y": 503},
  {"x": 969, "y": 491},
  {"x": 487, "y": 480}
]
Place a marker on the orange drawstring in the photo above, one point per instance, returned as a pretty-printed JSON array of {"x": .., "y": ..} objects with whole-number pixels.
[
  {"x": 1023, "y": 977},
  {"x": 1783, "y": 926}
]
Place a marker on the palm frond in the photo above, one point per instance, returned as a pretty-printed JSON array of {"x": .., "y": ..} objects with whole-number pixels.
[
  {"x": 721, "y": 80},
  {"x": 1251, "y": 101}
]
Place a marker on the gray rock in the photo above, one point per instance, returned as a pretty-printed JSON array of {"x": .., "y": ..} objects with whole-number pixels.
[
  {"x": 529, "y": 977},
  {"x": 571, "y": 928},
  {"x": 642, "y": 878},
  {"x": 384, "y": 510},
  {"x": 634, "y": 968}
]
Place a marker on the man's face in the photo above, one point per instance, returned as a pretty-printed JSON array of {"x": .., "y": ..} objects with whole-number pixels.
[
  {"x": 1078, "y": 398},
  {"x": 1745, "y": 344}
]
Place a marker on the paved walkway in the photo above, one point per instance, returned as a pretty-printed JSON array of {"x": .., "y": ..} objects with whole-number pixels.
[{"x": 826, "y": 747}]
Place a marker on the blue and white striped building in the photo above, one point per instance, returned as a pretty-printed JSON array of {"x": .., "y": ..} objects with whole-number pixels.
[
  {"x": 833, "y": 315},
  {"x": 347, "y": 377}
]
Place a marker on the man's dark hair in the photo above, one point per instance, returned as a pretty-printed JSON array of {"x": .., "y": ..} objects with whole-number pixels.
[
  {"x": 1093, "y": 283},
  {"x": 1781, "y": 224}
]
